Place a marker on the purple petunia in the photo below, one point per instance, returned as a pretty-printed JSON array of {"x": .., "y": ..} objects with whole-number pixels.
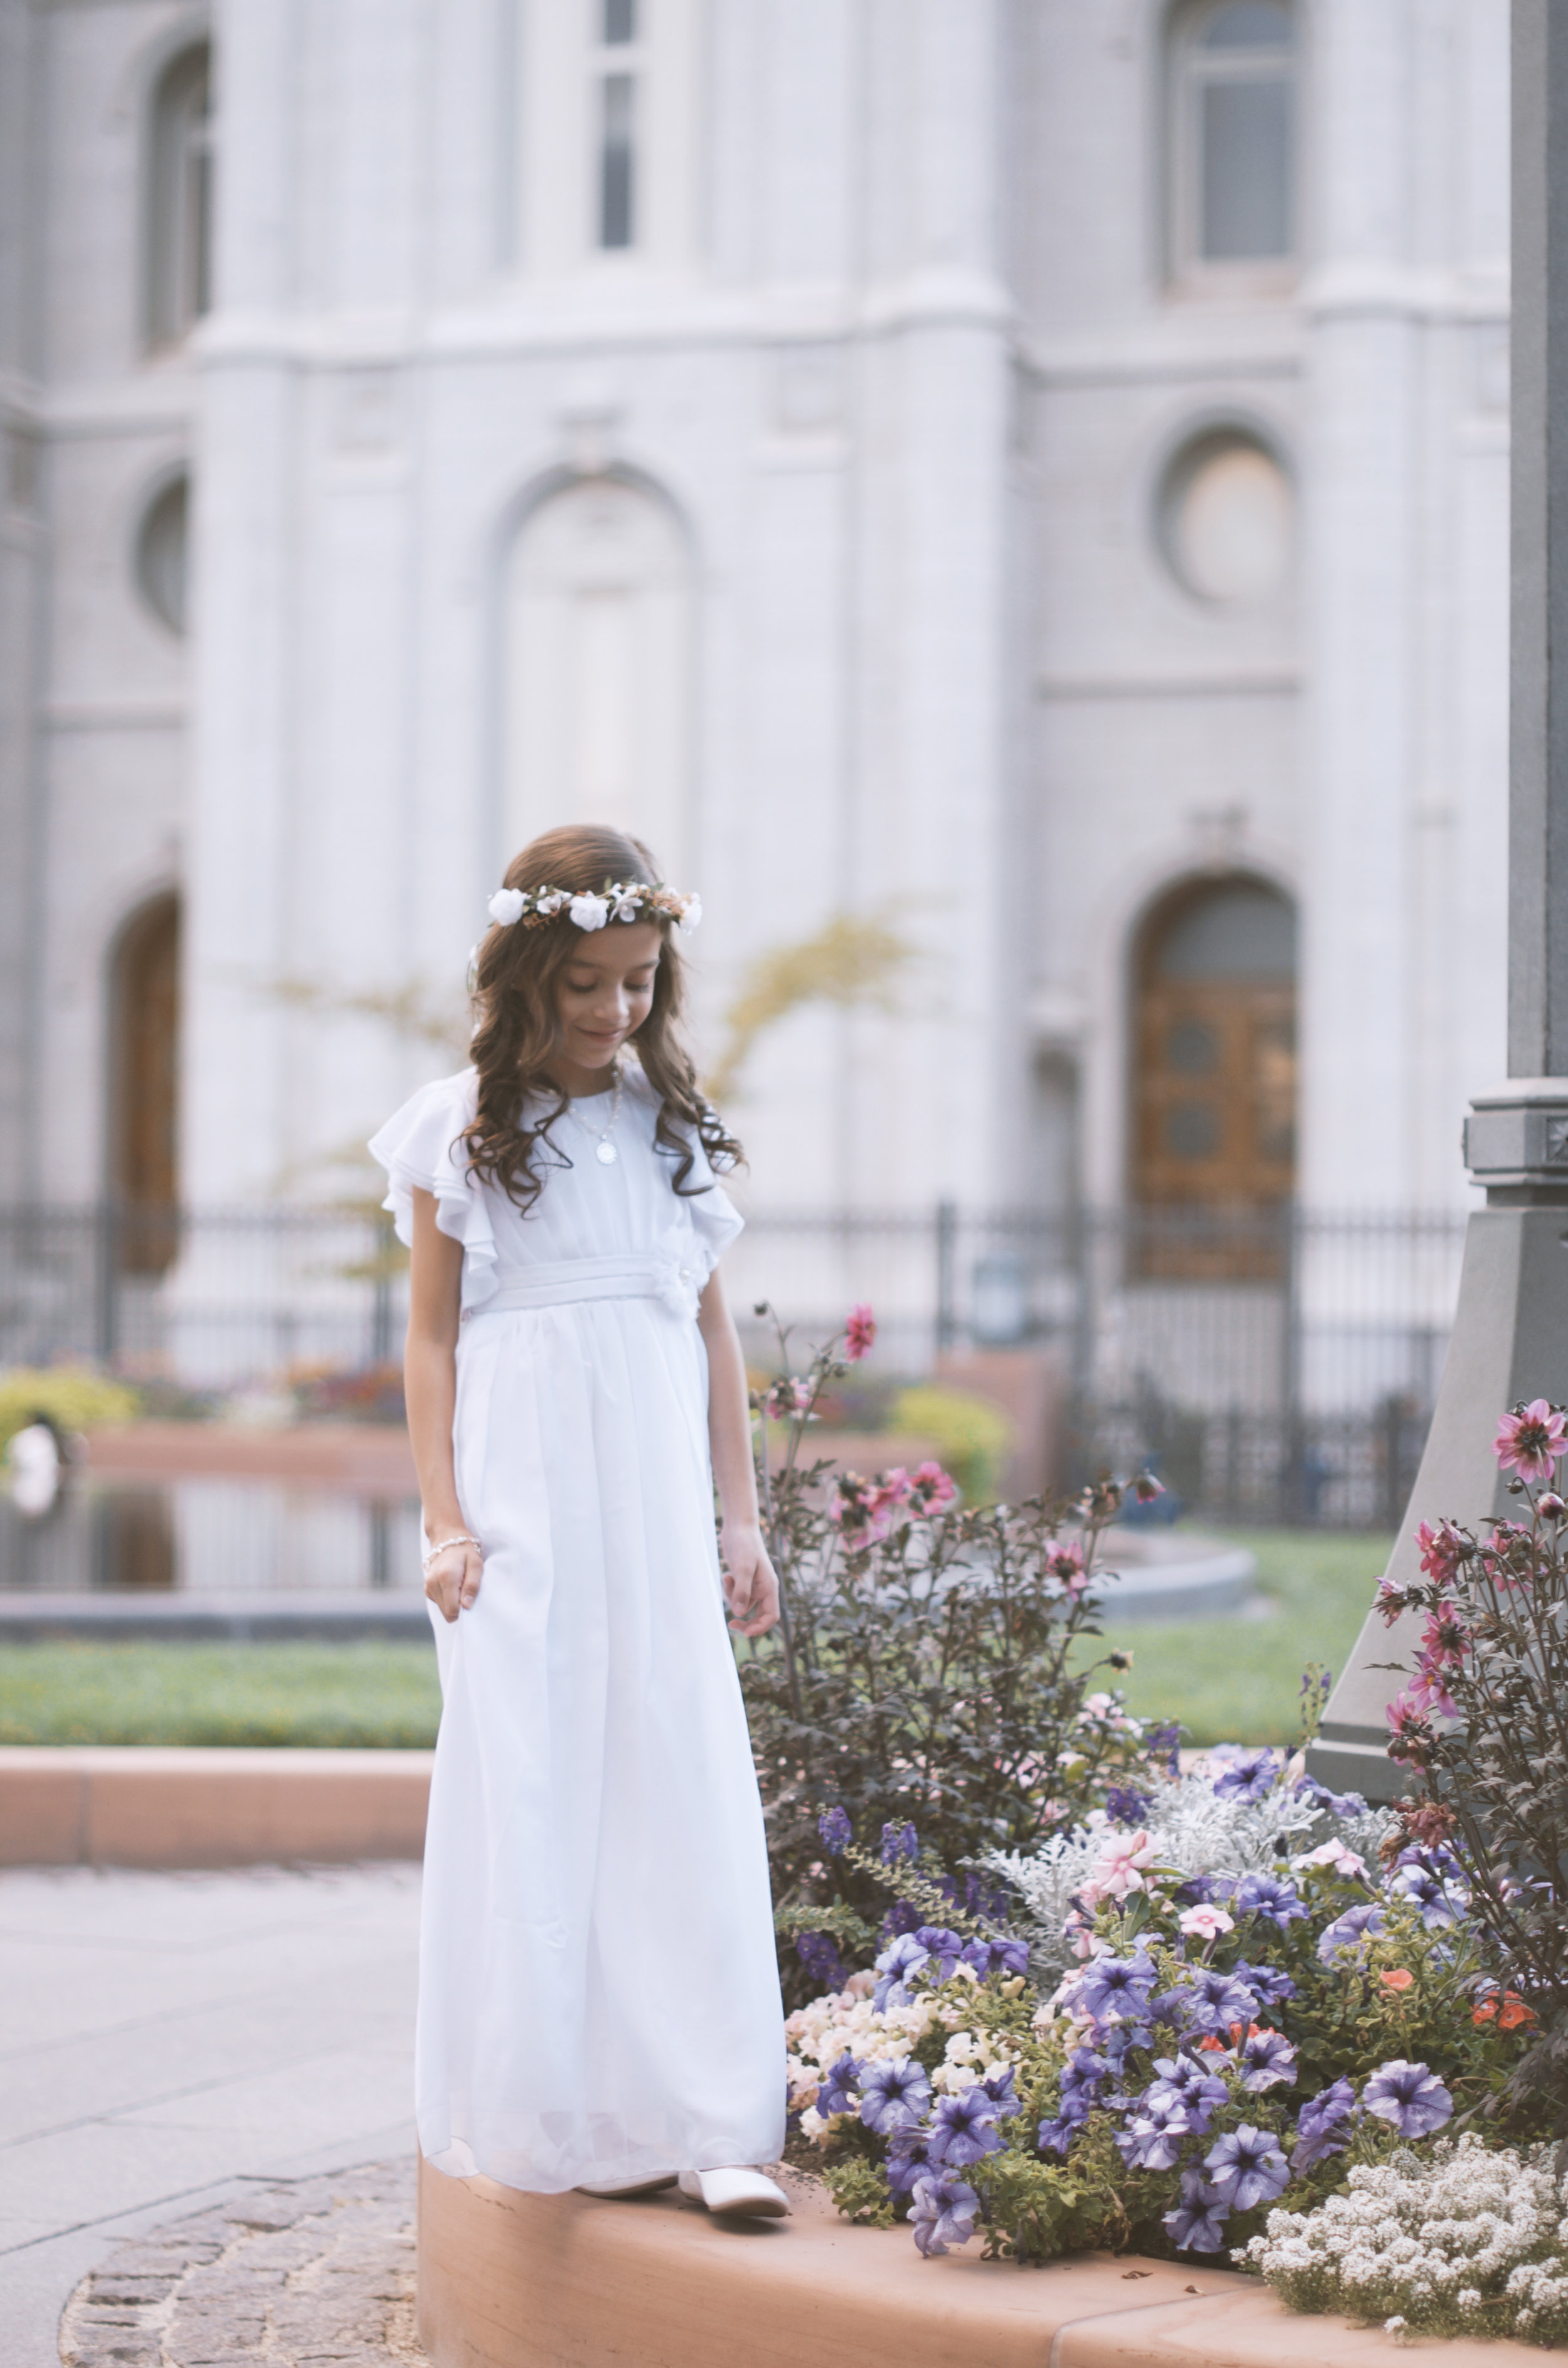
[
  {"x": 1266, "y": 2059},
  {"x": 1247, "y": 1777},
  {"x": 1197, "y": 2223},
  {"x": 945, "y": 1948},
  {"x": 1266, "y": 1896},
  {"x": 944, "y": 2213},
  {"x": 988, "y": 1957},
  {"x": 1117, "y": 1985},
  {"x": 1213, "y": 2000},
  {"x": 1267, "y": 1983},
  {"x": 1321, "y": 2124},
  {"x": 1151, "y": 2140},
  {"x": 999, "y": 2086},
  {"x": 1246, "y": 2167},
  {"x": 1440, "y": 1903},
  {"x": 893, "y": 2096},
  {"x": 835, "y": 1830},
  {"x": 1347, "y": 1931},
  {"x": 1409, "y": 2095},
  {"x": 899, "y": 1962},
  {"x": 1338, "y": 1805},
  {"x": 909, "y": 2159},
  {"x": 1200, "y": 2092},
  {"x": 838, "y": 2091},
  {"x": 963, "y": 2129}
]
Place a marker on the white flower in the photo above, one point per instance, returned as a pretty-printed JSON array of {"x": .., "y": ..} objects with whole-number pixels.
[
  {"x": 551, "y": 902},
  {"x": 629, "y": 904},
  {"x": 690, "y": 915},
  {"x": 506, "y": 907},
  {"x": 590, "y": 912}
]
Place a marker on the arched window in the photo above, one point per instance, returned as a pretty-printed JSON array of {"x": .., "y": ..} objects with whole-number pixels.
[
  {"x": 180, "y": 196},
  {"x": 1232, "y": 136},
  {"x": 1215, "y": 1070},
  {"x": 161, "y": 553},
  {"x": 143, "y": 1175},
  {"x": 598, "y": 661}
]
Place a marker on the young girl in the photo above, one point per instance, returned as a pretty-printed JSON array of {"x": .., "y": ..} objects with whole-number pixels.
[{"x": 598, "y": 1994}]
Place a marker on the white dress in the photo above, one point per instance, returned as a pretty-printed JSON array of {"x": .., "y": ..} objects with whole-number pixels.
[{"x": 599, "y": 1991}]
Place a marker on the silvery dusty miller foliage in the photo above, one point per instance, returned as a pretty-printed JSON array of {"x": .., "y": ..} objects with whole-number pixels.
[{"x": 1464, "y": 2240}]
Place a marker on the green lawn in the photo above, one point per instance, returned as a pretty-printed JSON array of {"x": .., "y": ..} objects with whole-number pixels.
[
  {"x": 373, "y": 1693},
  {"x": 1234, "y": 1681},
  {"x": 1227, "y": 1680}
]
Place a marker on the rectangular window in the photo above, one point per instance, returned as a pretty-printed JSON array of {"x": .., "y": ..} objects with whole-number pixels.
[
  {"x": 620, "y": 22},
  {"x": 1247, "y": 171},
  {"x": 616, "y": 191}
]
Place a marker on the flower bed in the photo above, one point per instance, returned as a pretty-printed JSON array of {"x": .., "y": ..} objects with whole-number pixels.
[{"x": 1218, "y": 2013}]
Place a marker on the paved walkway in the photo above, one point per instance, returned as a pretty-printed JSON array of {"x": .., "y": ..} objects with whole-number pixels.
[{"x": 171, "y": 2042}]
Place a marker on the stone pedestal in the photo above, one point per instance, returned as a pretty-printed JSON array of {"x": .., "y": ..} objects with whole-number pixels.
[{"x": 1510, "y": 1341}]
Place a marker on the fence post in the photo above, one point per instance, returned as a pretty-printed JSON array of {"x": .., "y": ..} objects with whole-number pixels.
[
  {"x": 105, "y": 1327},
  {"x": 1291, "y": 1471},
  {"x": 947, "y": 1274},
  {"x": 381, "y": 1299}
]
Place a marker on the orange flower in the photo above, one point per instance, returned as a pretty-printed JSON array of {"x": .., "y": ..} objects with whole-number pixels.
[
  {"x": 1396, "y": 1978},
  {"x": 1509, "y": 2012}
]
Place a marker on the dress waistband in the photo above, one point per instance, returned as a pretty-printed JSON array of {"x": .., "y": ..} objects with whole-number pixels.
[{"x": 564, "y": 1281}]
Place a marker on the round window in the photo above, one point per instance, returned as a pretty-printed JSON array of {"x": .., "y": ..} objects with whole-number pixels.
[
  {"x": 1228, "y": 518},
  {"x": 160, "y": 554}
]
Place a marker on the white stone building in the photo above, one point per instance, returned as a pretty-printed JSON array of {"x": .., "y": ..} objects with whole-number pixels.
[{"x": 1033, "y": 472}]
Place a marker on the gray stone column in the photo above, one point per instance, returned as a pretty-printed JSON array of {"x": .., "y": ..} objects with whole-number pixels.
[{"x": 1510, "y": 1338}]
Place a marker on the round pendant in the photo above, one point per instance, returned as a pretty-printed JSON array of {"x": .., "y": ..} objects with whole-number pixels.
[{"x": 605, "y": 1153}]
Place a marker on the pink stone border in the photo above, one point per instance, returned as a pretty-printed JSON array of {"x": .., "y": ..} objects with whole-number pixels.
[
  {"x": 141, "y": 1805},
  {"x": 511, "y": 2281}
]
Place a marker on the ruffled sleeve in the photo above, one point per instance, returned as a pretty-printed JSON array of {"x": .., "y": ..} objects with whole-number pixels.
[
  {"x": 421, "y": 1146},
  {"x": 714, "y": 1217}
]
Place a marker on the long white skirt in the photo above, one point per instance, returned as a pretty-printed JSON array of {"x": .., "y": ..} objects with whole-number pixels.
[{"x": 598, "y": 1994}]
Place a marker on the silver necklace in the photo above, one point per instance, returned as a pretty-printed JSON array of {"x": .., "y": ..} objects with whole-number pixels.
[{"x": 604, "y": 1151}]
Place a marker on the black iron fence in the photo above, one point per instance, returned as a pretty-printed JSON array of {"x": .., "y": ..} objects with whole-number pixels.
[{"x": 1277, "y": 1364}]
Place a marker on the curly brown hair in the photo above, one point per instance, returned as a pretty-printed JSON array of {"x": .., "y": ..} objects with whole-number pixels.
[{"x": 518, "y": 1030}]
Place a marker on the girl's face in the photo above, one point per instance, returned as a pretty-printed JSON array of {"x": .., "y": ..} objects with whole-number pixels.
[{"x": 605, "y": 991}]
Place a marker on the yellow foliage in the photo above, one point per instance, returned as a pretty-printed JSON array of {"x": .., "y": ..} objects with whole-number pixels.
[
  {"x": 72, "y": 1395},
  {"x": 852, "y": 960},
  {"x": 972, "y": 1437}
]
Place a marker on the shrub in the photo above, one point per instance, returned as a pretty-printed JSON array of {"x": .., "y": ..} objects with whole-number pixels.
[
  {"x": 919, "y": 1686},
  {"x": 971, "y": 1437},
  {"x": 1484, "y": 1728},
  {"x": 75, "y": 1397}
]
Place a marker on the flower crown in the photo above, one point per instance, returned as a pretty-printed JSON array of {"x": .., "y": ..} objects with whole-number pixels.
[{"x": 621, "y": 900}]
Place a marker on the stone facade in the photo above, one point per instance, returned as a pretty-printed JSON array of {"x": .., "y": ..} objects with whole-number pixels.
[{"x": 935, "y": 508}]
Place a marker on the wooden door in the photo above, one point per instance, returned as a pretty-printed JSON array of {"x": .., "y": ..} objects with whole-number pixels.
[{"x": 144, "y": 1170}]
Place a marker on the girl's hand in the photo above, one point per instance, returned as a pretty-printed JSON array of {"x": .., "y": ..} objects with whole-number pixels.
[
  {"x": 751, "y": 1590},
  {"x": 452, "y": 1580}
]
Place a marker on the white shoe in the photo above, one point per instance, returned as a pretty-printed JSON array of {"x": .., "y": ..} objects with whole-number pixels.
[
  {"x": 633, "y": 2187},
  {"x": 735, "y": 2191}
]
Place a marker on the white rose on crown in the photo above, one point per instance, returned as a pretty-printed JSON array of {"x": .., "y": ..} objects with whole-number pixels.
[
  {"x": 590, "y": 912},
  {"x": 506, "y": 907}
]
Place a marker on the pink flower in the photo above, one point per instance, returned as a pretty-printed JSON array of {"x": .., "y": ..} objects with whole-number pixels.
[
  {"x": 1066, "y": 1560},
  {"x": 1409, "y": 1731},
  {"x": 1338, "y": 1855},
  {"x": 1551, "y": 1505},
  {"x": 1446, "y": 1638},
  {"x": 1390, "y": 1601},
  {"x": 1428, "y": 1692},
  {"x": 864, "y": 1508},
  {"x": 931, "y": 1488},
  {"x": 788, "y": 1398},
  {"x": 1205, "y": 1923},
  {"x": 1146, "y": 1487},
  {"x": 860, "y": 1331},
  {"x": 1442, "y": 1551},
  {"x": 1530, "y": 1441},
  {"x": 1119, "y": 1869}
]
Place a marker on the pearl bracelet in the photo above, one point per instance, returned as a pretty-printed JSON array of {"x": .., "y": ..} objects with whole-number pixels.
[{"x": 464, "y": 1539}]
